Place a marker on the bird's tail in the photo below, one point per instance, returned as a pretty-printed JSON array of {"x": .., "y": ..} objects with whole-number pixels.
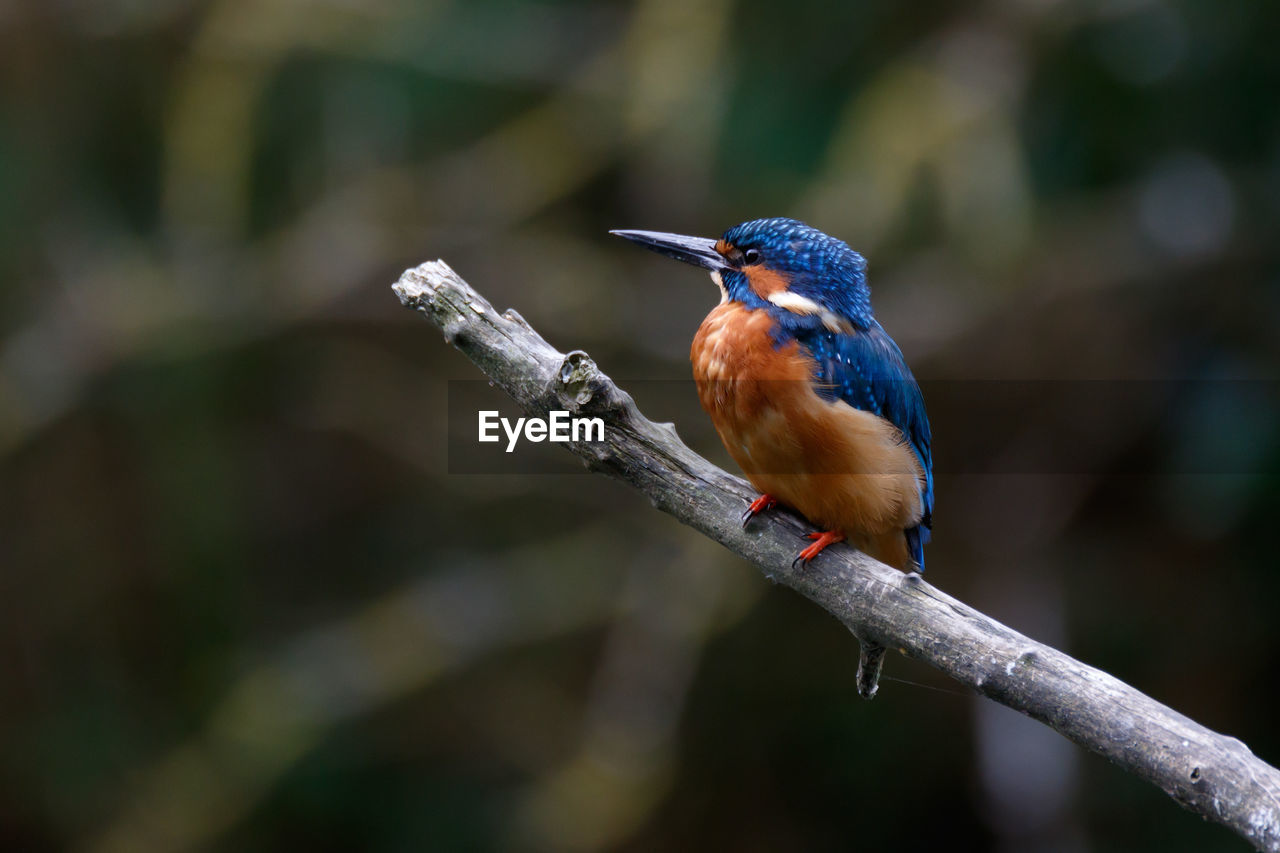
[{"x": 917, "y": 538}]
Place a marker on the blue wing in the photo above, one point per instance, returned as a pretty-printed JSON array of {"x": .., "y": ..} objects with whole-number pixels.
[{"x": 866, "y": 370}]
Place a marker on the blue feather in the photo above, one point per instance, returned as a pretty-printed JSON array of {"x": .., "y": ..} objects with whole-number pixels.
[{"x": 866, "y": 370}]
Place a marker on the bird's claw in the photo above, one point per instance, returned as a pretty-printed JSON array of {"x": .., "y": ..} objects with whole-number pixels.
[
  {"x": 821, "y": 540},
  {"x": 759, "y": 505}
]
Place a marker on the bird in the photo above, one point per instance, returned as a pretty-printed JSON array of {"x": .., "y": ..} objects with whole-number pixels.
[{"x": 809, "y": 394}]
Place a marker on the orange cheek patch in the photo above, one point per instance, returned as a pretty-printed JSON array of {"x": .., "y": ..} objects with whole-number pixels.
[{"x": 765, "y": 282}]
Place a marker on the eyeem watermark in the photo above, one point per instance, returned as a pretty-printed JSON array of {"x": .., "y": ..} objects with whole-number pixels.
[{"x": 559, "y": 427}]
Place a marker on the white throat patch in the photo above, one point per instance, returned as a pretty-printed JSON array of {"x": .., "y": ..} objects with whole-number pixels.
[{"x": 724, "y": 294}]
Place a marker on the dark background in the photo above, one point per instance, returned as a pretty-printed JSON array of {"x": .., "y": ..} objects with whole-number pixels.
[{"x": 245, "y": 606}]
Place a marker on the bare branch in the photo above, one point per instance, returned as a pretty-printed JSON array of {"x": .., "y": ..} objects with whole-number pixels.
[{"x": 1210, "y": 774}]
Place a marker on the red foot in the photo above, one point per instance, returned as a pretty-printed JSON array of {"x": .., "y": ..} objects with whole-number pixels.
[
  {"x": 821, "y": 541},
  {"x": 758, "y": 506}
]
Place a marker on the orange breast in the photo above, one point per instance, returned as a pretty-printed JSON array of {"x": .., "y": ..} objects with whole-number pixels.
[{"x": 841, "y": 468}]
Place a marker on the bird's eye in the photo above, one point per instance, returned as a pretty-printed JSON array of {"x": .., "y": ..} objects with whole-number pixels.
[{"x": 751, "y": 256}]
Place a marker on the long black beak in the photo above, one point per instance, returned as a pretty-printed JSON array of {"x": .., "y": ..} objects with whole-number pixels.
[{"x": 698, "y": 251}]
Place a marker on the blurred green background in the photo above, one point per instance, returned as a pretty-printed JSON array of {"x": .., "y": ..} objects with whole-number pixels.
[{"x": 247, "y": 607}]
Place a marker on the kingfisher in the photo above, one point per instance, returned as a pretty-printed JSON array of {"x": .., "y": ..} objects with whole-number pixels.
[{"x": 809, "y": 394}]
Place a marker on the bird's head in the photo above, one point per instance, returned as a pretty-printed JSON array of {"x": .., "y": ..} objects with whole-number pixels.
[{"x": 798, "y": 273}]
